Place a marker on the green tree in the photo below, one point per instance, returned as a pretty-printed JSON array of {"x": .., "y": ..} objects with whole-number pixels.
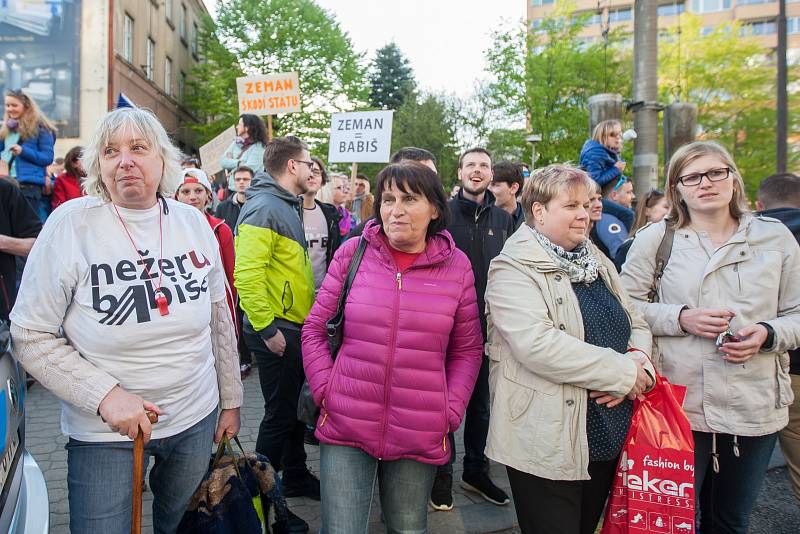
[
  {"x": 547, "y": 76},
  {"x": 391, "y": 78},
  {"x": 270, "y": 36},
  {"x": 731, "y": 78},
  {"x": 211, "y": 87}
]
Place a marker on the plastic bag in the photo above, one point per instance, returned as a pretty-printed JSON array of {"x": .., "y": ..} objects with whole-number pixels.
[{"x": 654, "y": 487}]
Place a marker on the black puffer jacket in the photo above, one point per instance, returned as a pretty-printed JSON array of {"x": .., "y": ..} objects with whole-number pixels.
[
  {"x": 480, "y": 231},
  {"x": 791, "y": 218}
]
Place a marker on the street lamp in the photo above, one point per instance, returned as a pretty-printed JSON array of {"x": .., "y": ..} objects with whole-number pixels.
[{"x": 533, "y": 139}]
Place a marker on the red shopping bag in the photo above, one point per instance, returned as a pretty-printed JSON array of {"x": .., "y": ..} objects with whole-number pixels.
[{"x": 654, "y": 487}]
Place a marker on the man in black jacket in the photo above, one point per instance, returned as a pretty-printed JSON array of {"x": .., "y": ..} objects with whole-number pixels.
[
  {"x": 479, "y": 229},
  {"x": 229, "y": 209},
  {"x": 19, "y": 226},
  {"x": 779, "y": 197}
]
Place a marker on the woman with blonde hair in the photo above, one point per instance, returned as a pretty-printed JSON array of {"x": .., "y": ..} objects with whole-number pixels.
[
  {"x": 567, "y": 358},
  {"x": 121, "y": 311},
  {"x": 26, "y": 148},
  {"x": 723, "y": 312}
]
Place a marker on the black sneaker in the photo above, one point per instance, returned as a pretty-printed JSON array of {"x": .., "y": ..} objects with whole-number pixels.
[
  {"x": 442, "y": 492},
  {"x": 480, "y": 483},
  {"x": 309, "y": 438},
  {"x": 306, "y": 485},
  {"x": 291, "y": 525}
]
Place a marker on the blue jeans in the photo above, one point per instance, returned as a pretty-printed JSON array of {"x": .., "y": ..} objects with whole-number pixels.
[
  {"x": 347, "y": 479},
  {"x": 100, "y": 479},
  {"x": 728, "y": 497}
]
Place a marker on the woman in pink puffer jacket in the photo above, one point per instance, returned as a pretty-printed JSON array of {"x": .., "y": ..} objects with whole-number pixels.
[{"x": 406, "y": 368}]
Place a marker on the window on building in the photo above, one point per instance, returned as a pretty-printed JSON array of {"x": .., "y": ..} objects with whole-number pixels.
[
  {"x": 182, "y": 86},
  {"x": 793, "y": 25},
  {"x": 168, "y": 9},
  {"x": 760, "y": 27},
  {"x": 182, "y": 23},
  {"x": 127, "y": 38},
  {"x": 168, "y": 76},
  {"x": 620, "y": 15},
  {"x": 194, "y": 39},
  {"x": 594, "y": 17},
  {"x": 710, "y": 6},
  {"x": 673, "y": 8},
  {"x": 149, "y": 58},
  {"x": 537, "y": 3},
  {"x": 746, "y": 2}
]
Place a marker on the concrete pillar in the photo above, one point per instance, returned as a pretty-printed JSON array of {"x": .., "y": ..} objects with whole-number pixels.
[
  {"x": 603, "y": 107},
  {"x": 680, "y": 127},
  {"x": 645, "y": 94}
]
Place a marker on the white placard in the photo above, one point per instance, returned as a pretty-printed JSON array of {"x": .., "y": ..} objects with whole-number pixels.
[
  {"x": 269, "y": 95},
  {"x": 212, "y": 152},
  {"x": 361, "y": 137}
]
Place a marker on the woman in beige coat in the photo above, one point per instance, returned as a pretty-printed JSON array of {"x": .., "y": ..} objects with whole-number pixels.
[
  {"x": 728, "y": 308},
  {"x": 566, "y": 359}
]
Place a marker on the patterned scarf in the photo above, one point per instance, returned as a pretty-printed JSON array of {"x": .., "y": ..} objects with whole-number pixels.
[{"x": 580, "y": 264}]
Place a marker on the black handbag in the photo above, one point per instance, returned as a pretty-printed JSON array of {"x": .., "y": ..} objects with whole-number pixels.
[{"x": 307, "y": 410}]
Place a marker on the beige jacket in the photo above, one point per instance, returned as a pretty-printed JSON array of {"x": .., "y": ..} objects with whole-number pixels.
[
  {"x": 757, "y": 275},
  {"x": 540, "y": 369}
]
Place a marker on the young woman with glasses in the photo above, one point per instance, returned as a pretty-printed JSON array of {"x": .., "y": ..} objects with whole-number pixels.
[{"x": 728, "y": 309}]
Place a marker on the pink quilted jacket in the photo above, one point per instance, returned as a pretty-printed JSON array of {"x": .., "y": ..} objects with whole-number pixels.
[{"x": 411, "y": 352}]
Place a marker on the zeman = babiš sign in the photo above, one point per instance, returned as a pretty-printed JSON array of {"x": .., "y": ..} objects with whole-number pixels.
[
  {"x": 360, "y": 137},
  {"x": 269, "y": 95}
]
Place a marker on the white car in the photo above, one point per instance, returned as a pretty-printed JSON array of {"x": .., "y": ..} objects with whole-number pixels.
[{"x": 24, "y": 507}]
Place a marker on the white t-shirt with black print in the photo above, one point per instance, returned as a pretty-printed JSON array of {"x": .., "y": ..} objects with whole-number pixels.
[
  {"x": 316, "y": 230},
  {"x": 84, "y": 275}
]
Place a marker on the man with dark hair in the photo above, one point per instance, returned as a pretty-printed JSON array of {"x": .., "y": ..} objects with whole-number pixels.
[
  {"x": 479, "y": 229},
  {"x": 230, "y": 208},
  {"x": 276, "y": 290},
  {"x": 412, "y": 153},
  {"x": 779, "y": 197},
  {"x": 506, "y": 186}
]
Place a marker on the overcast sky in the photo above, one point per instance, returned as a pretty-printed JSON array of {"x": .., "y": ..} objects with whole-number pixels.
[{"x": 444, "y": 40}]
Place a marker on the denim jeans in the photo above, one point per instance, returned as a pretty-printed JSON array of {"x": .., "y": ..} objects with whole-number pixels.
[
  {"x": 476, "y": 427},
  {"x": 280, "y": 434},
  {"x": 731, "y": 493},
  {"x": 347, "y": 478},
  {"x": 100, "y": 479}
]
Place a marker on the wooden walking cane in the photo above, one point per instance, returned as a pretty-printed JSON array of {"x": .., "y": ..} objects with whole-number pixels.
[{"x": 138, "y": 476}]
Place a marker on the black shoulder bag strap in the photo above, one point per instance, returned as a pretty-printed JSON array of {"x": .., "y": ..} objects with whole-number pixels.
[
  {"x": 335, "y": 324},
  {"x": 662, "y": 258}
]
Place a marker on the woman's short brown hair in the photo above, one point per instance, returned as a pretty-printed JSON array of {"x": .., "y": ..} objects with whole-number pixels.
[
  {"x": 678, "y": 211},
  {"x": 547, "y": 183},
  {"x": 413, "y": 177}
]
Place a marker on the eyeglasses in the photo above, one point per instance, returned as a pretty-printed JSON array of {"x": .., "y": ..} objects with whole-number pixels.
[
  {"x": 309, "y": 163},
  {"x": 713, "y": 175},
  {"x": 316, "y": 172}
]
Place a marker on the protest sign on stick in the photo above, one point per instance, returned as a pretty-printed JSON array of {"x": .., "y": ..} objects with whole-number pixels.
[
  {"x": 360, "y": 137},
  {"x": 211, "y": 153},
  {"x": 269, "y": 95}
]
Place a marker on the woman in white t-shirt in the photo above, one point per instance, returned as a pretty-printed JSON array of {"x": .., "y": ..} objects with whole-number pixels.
[{"x": 122, "y": 309}]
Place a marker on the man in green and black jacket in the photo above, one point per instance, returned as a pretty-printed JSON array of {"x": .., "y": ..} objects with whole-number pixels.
[{"x": 276, "y": 290}]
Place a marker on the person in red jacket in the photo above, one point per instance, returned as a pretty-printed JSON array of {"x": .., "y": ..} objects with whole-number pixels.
[
  {"x": 69, "y": 183},
  {"x": 195, "y": 190}
]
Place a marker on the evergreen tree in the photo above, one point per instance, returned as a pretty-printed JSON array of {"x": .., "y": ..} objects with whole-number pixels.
[{"x": 391, "y": 78}]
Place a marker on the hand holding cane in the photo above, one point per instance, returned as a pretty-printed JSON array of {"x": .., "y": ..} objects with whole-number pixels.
[{"x": 138, "y": 476}]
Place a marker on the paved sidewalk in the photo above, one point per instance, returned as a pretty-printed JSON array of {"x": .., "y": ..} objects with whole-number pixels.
[
  {"x": 777, "y": 512},
  {"x": 44, "y": 440}
]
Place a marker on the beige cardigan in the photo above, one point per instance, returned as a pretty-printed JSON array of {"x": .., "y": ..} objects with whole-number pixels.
[
  {"x": 540, "y": 367},
  {"x": 757, "y": 275}
]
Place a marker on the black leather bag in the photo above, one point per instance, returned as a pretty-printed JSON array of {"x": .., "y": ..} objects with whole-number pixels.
[{"x": 307, "y": 410}]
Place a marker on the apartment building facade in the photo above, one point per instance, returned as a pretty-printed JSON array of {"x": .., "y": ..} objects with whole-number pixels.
[
  {"x": 758, "y": 17},
  {"x": 76, "y": 57}
]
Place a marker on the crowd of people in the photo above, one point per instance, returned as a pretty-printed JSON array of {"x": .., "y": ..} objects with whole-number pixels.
[{"x": 529, "y": 308}]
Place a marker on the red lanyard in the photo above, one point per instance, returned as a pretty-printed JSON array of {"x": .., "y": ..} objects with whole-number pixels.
[{"x": 161, "y": 299}]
